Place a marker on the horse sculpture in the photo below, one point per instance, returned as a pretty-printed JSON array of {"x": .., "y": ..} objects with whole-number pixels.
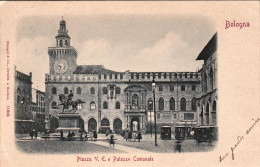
[{"x": 65, "y": 103}]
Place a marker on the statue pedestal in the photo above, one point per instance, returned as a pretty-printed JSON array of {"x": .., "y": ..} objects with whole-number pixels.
[{"x": 69, "y": 122}]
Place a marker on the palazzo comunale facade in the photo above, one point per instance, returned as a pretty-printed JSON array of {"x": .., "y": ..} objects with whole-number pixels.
[{"x": 118, "y": 100}]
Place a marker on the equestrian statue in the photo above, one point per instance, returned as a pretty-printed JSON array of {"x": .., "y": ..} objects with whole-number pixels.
[{"x": 67, "y": 101}]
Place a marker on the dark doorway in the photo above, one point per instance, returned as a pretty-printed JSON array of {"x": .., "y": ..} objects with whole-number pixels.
[
  {"x": 81, "y": 124},
  {"x": 117, "y": 126},
  {"x": 92, "y": 125}
]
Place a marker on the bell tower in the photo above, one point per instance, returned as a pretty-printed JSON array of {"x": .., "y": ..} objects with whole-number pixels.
[{"x": 63, "y": 57}]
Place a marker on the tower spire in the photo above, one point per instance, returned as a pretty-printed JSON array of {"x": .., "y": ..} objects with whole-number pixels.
[{"x": 62, "y": 39}]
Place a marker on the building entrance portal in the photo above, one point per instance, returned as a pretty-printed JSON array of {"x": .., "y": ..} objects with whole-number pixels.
[{"x": 135, "y": 124}]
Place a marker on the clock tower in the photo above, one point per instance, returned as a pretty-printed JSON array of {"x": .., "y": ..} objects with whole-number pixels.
[{"x": 63, "y": 57}]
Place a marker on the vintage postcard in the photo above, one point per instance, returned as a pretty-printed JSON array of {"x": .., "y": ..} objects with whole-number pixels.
[{"x": 130, "y": 83}]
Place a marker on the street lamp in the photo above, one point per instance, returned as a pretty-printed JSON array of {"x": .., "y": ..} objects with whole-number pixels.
[
  {"x": 150, "y": 107},
  {"x": 155, "y": 135}
]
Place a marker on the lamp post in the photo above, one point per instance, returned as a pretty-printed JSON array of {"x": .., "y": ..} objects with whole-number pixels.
[
  {"x": 150, "y": 107},
  {"x": 155, "y": 133}
]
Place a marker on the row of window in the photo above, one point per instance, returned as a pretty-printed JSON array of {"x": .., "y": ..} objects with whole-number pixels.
[
  {"x": 118, "y": 90},
  {"x": 79, "y": 90},
  {"x": 183, "y": 87},
  {"x": 92, "y": 105},
  {"x": 161, "y": 105}
]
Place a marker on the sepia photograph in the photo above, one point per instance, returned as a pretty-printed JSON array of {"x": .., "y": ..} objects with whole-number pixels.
[{"x": 116, "y": 83}]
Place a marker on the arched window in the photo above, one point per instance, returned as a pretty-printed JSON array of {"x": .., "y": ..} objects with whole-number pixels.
[
  {"x": 18, "y": 99},
  {"x": 172, "y": 104},
  {"x": 92, "y": 105},
  {"x": 118, "y": 91},
  {"x": 183, "y": 104},
  {"x": 160, "y": 87},
  {"x": 205, "y": 83},
  {"x": 60, "y": 43},
  {"x": 171, "y": 88},
  {"x": 92, "y": 90},
  {"x": 118, "y": 105},
  {"x": 207, "y": 114},
  {"x": 78, "y": 90},
  {"x": 135, "y": 100},
  {"x": 66, "y": 42},
  {"x": 105, "y": 122},
  {"x": 161, "y": 104},
  {"x": 54, "y": 91},
  {"x": 105, "y": 105},
  {"x": 66, "y": 90},
  {"x": 211, "y": 79},
  {"x": 105, "y": 90},
  {"x": 182, "y": 87},
  {"x": 193, "y": 103},
  {"x": 79, "y": 106},
  {"x": 53, "y": 105},
  {"x": 214, "y": 108},
  {"x": 150, "y": 104}
]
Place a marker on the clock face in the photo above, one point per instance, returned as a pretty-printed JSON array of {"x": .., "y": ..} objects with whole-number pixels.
[{"x": 61, "y": 66}]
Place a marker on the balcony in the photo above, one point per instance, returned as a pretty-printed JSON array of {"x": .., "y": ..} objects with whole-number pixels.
[{"x": 135, "y": 109}]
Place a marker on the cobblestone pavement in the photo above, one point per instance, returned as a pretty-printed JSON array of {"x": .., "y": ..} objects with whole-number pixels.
[
  {"x": 70, "y": 147},
  {"x": 39, "y": 145}
]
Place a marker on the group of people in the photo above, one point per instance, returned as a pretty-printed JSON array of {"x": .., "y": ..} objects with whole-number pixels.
[
  {"x": 82, "y": 134},
  {"x": 34, "y": 133},
  {"x": 128, "y": 136}
]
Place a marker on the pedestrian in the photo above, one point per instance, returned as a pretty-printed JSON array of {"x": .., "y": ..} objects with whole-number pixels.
[
  {"x": 31, "y": 133},
  {"x": 178, "y": 145},
  {"x": 81, "y": 135},
  {"x": 91, "y": 135},
  {"x": 134, "y": 136},
  {"x": 130, "y": 136},
  {"x": 61, "y": 134},
  {"x": 126, "y": 135},
  {"x": 35, "y": 134},
  {"x": 72, "y": 135},
  {"x": 107, "y": 134},
  {"x": 69, "y": 136},
  {"x": 86, "y": 135},
  {"x": 112, "y": 140},
  {"x": 95, "y": 135},
  {"x": 139, "y": 136}
]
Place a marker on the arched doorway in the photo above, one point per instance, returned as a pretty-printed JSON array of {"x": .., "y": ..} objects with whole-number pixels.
[
  {"x": 105, "y": 125},
  {"x": 135, "y": 124},
  {"x": 54, "y": 124},
  {"x": 92, "y": 125},
  {"x": 117, "y": 126},
  {"x": 81, "y": 124}
]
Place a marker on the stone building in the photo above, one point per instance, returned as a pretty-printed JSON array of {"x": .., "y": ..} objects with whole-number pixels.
[
  {"x": 207, "y": 103},
  {"x": 22, "y": 102},
  {"x": 38, "y": 109},
  {"x": 117, "y": 100}
]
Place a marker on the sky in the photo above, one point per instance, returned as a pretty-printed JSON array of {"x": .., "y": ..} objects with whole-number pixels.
[{"x": 139, "y": 43}]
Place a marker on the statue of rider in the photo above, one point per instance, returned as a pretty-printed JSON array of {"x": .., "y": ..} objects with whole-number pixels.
[{"x": 69, "y": 98}]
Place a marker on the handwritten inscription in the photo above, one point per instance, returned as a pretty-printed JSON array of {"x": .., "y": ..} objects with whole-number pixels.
[{"x": 240, "y": 139}]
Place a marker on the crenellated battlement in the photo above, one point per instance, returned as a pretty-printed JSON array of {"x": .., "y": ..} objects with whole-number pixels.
[
  {"x": 61, "y": 50},
  {"x": 125, "y": 77}
]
